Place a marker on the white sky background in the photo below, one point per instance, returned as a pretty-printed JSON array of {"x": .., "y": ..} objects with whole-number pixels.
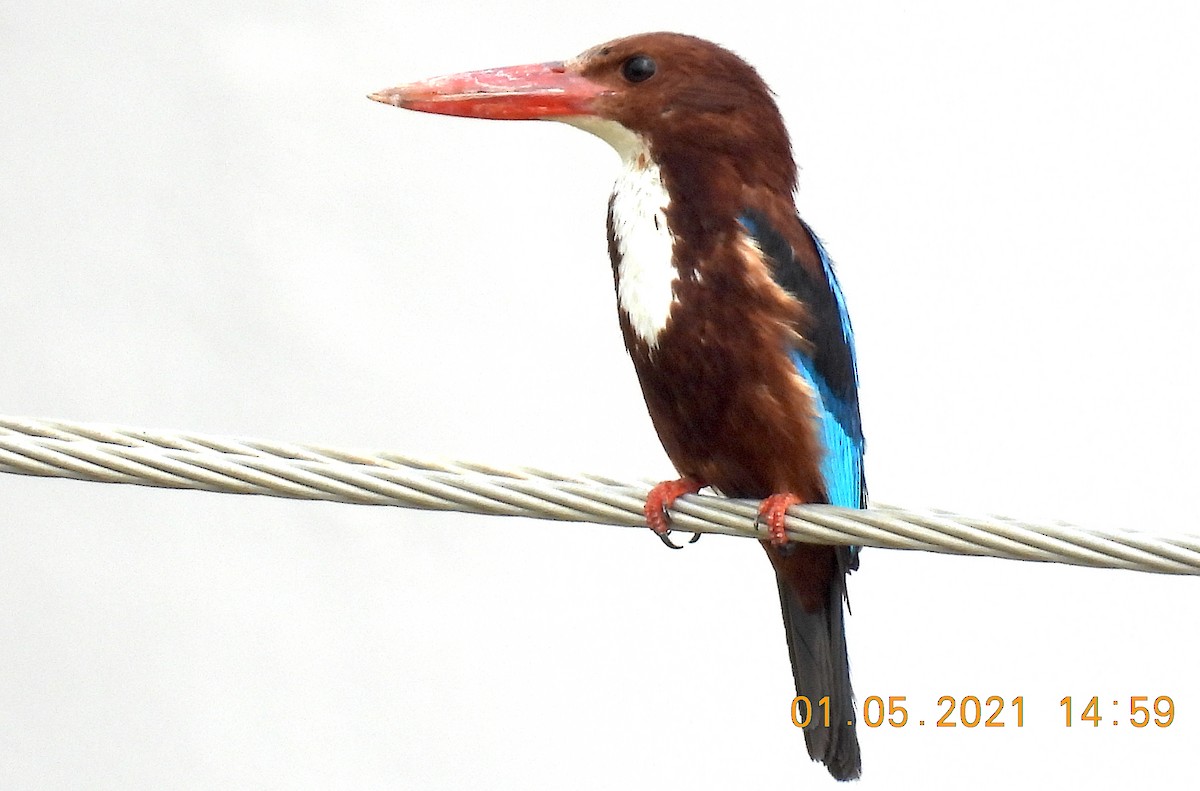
[{"x": 205, "y": 225}]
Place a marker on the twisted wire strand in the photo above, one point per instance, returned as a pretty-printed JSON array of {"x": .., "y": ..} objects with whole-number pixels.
[{"x": 185, "y": 460}]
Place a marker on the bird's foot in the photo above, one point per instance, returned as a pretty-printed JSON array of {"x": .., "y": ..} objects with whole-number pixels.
[
  {"x": 662, "y": 497},
  {"x": 773, "y": 511}
]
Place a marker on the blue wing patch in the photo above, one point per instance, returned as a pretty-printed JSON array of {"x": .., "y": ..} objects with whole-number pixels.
[
  {"x": 842, "y": 467},
  {"x": 829, "y": 367}
]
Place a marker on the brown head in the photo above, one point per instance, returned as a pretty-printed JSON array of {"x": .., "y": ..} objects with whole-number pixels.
[{"x": 702, "y": 113}]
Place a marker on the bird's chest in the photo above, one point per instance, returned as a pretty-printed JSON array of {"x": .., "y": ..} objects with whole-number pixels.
[
  {"x": 664, "y": 309},
  {"x": 714, "y": 317},
  {"x": 642, "y": 248},
  {"x": 710, "y": 341}
]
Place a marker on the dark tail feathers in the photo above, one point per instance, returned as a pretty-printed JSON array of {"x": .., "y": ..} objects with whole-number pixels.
[{"x": 821, "y": 667}]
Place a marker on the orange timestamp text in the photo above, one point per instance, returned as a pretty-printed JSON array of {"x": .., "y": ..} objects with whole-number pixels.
[
  {"x": 994, "y": 711},
  {"x": 967, "y": 712}
]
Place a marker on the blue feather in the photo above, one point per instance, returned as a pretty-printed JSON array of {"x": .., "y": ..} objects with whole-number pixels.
[
  {"x": 840, "y": 428},
  {"x": 841, "y": 468},
  {"x": 841, "y": 423}
]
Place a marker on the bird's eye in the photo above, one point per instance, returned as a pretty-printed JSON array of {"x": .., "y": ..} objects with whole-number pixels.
[{"x": 639, "y": 68}]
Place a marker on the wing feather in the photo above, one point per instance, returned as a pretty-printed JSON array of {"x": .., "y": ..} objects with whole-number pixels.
[{"x": 827, "y": 362}]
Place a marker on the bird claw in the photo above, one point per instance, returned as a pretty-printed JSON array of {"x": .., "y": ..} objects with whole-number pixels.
[
  {"x": 661, "y": 498},
  {"x": 773, "y": 511},
  {"x": 666, "y": 539}
]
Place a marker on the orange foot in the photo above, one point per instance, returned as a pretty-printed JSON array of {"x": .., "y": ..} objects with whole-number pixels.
[
  {"x": 773, "y": 511},
  {"x": 662, "y": 497}
]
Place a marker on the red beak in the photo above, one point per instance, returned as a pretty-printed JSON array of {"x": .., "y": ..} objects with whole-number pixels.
[{"x": 515, "y": 93}]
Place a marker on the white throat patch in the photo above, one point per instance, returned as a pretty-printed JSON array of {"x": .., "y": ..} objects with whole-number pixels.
[{"x": 646, "y": 274}]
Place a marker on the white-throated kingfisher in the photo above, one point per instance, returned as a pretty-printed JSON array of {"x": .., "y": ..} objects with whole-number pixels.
[{"x": 729, "y": 306}]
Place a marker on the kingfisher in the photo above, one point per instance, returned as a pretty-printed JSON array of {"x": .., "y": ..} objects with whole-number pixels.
[{"x": 729, "y": 308}]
